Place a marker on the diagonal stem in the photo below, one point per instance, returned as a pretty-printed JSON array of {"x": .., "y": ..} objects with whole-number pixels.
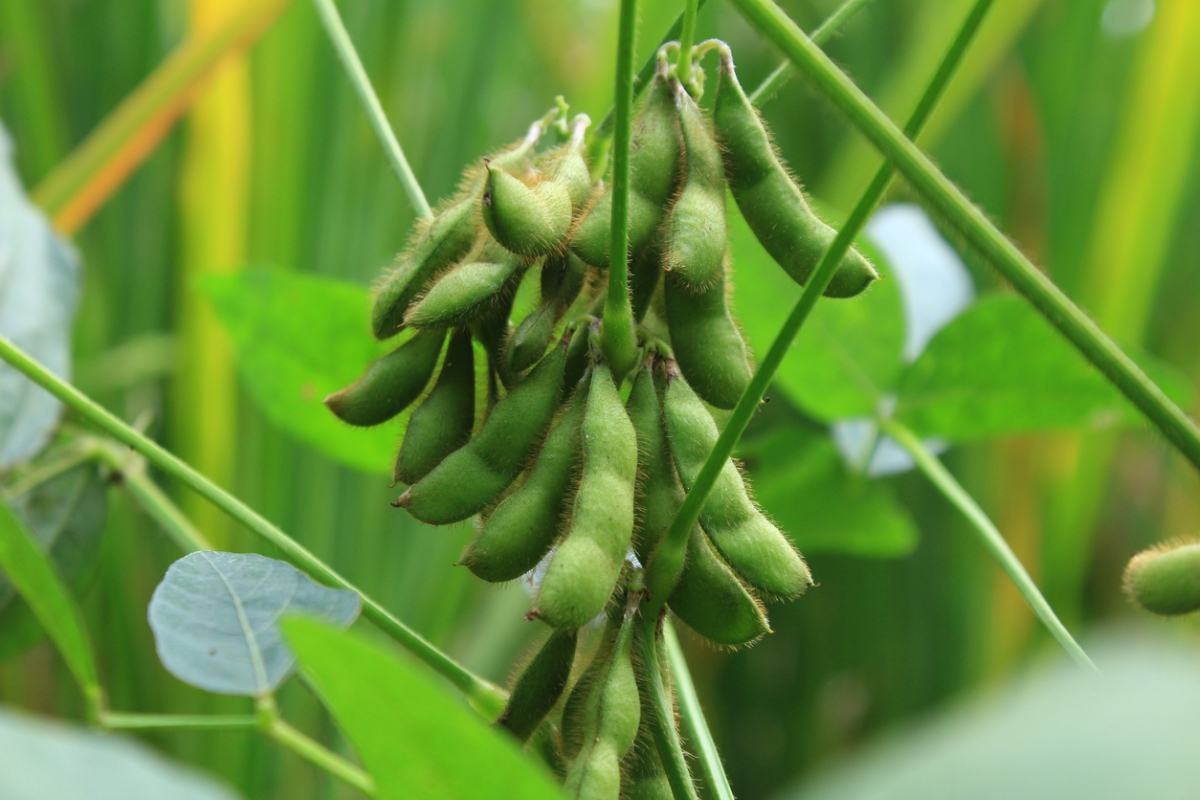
[
  {"x": 989, "y": 535},
  {"x": 370, "y": 102},
  {"x": 693, "y": 717},
  {"x": 482, "y": 694},
  {"x": 948, "y": 201},
  {"x": 666, "y": 737}
]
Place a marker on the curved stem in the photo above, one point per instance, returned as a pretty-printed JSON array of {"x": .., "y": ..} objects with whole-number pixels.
[
  {"x": 370, "y": 102},
  {"x": 693, "y": 717},
  {"x": 319, "y": 756},
  {"x": 482, "y": 694},
  {"x": 689, "y": 512},
  {"x": 949, "y": 202},
  {"x": 666, "y": 737},
  {"x": 989, "y": 535}
]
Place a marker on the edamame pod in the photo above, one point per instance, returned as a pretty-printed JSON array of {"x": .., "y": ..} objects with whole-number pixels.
[
  {"x": 527, "y": 220},
  {"x": 563, "y": 275},
  {"x": 645, "y": 778},
  {"x": 443, "y": 421},
  {"x": 659, "y": 493},
  {"x": 540, "y": 685},
  {"x": 653, "y": 175},
  {"x": 578, "y": 356},
  {"x": 465, "y": 292},
  {"x": 695, "y": 230},
  {"x": 473, "y": 476},
  {"x": 706, "y": 341},
  {"x": 577, "y": 706},
  {"x": 523, "y": 527},
  {"x": 752, "y": 545},
  {"x": 391, "y": 383},
  {"x": 1166, "y": 579},
  {"x": 585, "y": 568},
  {"x": 713, "y": 601},
  {"x": 645, "y": 272},
  {"x": 770, "y": 200}
]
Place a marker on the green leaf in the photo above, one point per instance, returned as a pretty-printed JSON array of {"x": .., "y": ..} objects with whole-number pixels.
[
  {"x": 216, "y": 617},
  {"x": 30, "y": 572},
  {"x": 298, "y": 338},
  {"x": 801, "y": 481},
  {"x": 42, "y": 759},
  {"x": 66, "y": 517},
  {"x": 413, "y": 737},
  {"x": 849, "y": 353},
  {"x": 1000, "y": 368}
]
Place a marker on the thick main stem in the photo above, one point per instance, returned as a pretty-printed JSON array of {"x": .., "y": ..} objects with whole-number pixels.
[
  {"x": 948, "y": 201},
  {"x": 486, "y": 697},
  {"x": 989, "y": 535}
]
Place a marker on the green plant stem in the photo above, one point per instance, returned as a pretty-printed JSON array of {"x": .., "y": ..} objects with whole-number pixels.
[
  {"x": 767, "y": 89},
  {"x": 693, "y": 717},
  {"x": 482, "y": 694},
  {"x": 666, "y": 738},
  {"x": 687, "y": 37},
  {"x": 620, "y": 345},
  {"x": 122, "y": 721},
  {"x": 319, "y": 756},
  {"x": 48, "y": 471},
  {"x": 370, "y": 102},
  {"x": 689, "y": 511},
  {"x": 989, "y": 535},
  {"x": 948, "y": 201}
]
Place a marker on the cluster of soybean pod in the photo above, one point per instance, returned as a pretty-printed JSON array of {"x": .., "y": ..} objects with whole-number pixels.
[{"x": 561, "y": 471}]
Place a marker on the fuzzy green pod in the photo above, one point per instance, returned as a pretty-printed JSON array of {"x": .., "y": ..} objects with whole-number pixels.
[
  {"x": 611, "y": 725},
  {"x": 753, "y": 546},
  {"x": 653, "y": 176},
  {"x": 645, "y": 274},
  {"x": 474, "y": 475},
  {"x": 523, "y": 527},
  {"x": 391, "y": 383},
  {"x": 645, "y": 778},
  {"x": 434, "y": 246},
  {"x": 578, "y": 357},
  {"x": 577, "y": 706},
  {"x": 494, "y": 327},
  {"x": 695, "y": 230},
  {"x": 540, "y": 685},
  {"x": 659, "y": 493},
  {"x": 467, "y": 291},
  {"x": 530, "y": 220},
  {"x": 585, "y": 568},
  {"x": 563, "y": 276},
  {"x": 713, "y": 601},
  {"x": 770, "y": 200},
  {"x": 1166, "y": 579},
  {"x": 706, "y": 341},
  {"x": 443, "y": 421}
]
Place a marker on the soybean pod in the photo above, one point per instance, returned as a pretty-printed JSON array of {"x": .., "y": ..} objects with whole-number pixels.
[
  {"x": 443, "y": 421},
  {"x": 391, "y": 383},
  {"x": 706, "y": 341},
  {"x": 473, "y": 476},
  {"x": 585, "y": 568},
  {"x": 464, "y": 293},
  {"x": 539, "y": 686},
  {"x": 1166, "y": 579},
  {"x": 770, "y": 200},
  {"x": 562, "y": 276},
  {"x": 713, "y": 601}
]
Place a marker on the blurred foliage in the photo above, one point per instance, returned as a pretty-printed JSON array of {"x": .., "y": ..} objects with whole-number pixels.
[{"x": 1042, "y": 128}]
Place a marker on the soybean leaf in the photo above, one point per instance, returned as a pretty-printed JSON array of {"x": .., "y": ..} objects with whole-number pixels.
[
  {"x": 30, "y": 572},
  {"x": 848, "y": 354},
  {"x": 801, "y": 481},
  {"x": 39, "y": 289},
  {"x": 66, "y": 517},
  {"x": 42, "y": 759},
  {"x": 298, "y": 338},
  {"x": 1127, "y": 732},
  {"x": 215, "y": 618},
  {"x": 414, "y": 738},
  {"x": 1000, "y": 368}
]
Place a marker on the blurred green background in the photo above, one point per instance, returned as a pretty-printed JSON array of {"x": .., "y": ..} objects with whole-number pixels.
[{"x": 1073, "y": 127}]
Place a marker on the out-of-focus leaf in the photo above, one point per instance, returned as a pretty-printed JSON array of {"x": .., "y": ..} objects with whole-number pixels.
[
  {"x": 298, "y": 338},
  {"x": 415, "y": 740},
  {"x": 800, "y": 480},
  {"x": 1000, "y": 368},
  {"x": 40, "y": 759},
  {"x": 216, "y": 617},
  {"x": 39, "y": 289},
  {"x": 848, "y": 354},
  {"x": 1128, "y": 732},
  {"x": 66, "y": 517},
  {"x": 30, "y": 572}
]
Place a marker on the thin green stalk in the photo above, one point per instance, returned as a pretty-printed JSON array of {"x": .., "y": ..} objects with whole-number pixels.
[
  {"x": 989, "y": 535},
  {"x": 693, "y": 717},
  {"x": 767, "y": 89},
  {"x": 687, "y": 37},
  {"x": 47, "y": 472},
  {"x": 689, "y": 511},
  {"x": 480, "y": 692},
  {"x": 319, "y": 756},
  {"x": 666, "y": 738},
  {"x": 620, "y": 345},
  {"x": 122, "y": 721},
  {"x": 948, "y": 201},
  {"x": 370, "y": 102}
]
